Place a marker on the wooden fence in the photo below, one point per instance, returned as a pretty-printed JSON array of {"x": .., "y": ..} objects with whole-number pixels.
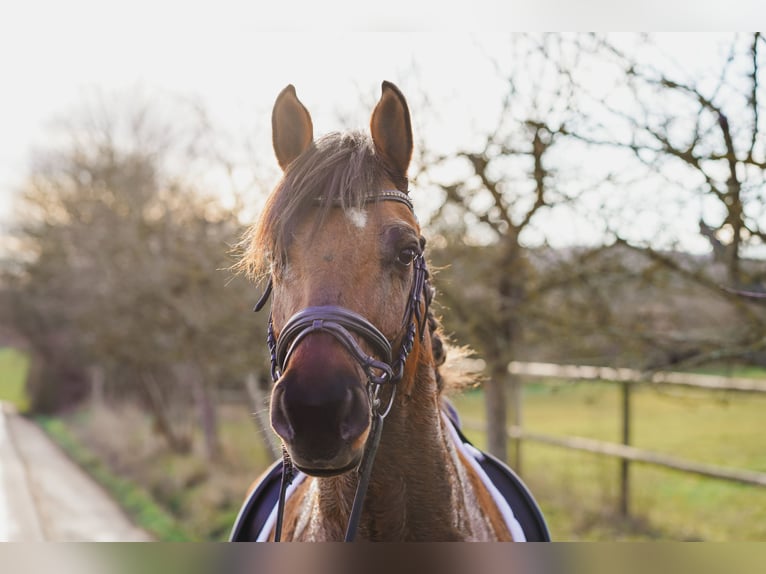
[{"x": 628, "y": 454}]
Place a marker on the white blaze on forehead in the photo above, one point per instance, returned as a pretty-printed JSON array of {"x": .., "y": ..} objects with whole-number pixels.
[{"x": 357, "y": 217}]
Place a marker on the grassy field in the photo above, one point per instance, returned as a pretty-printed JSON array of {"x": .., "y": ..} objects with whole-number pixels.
[
  {"x": 578, "y": 491},
  {"x": 13, "y": 375}
]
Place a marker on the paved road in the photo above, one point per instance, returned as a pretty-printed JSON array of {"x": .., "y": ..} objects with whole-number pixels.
[{"x": 46, "y": 497}]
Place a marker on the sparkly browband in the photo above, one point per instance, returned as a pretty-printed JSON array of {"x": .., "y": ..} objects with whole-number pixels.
[
  {"x": 388, "y": 195},
  {"x": 391, "y": 195}
]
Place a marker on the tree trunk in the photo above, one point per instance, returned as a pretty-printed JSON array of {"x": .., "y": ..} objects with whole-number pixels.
[
  {"x": 495, "y": 405},
  {"x": 511, "y": 291},
  {"x": 161, "y": 416},
  {"x": 97, "y": 382},
  {"x": 209, "y": 420},
  {"x": 206, "y": 409}
]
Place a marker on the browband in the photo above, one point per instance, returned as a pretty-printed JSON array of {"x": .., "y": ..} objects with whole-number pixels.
[{"x": 387, "y": 195}]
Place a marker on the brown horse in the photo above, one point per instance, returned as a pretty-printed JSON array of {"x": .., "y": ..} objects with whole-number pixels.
[{"x": 343, "y": 251}]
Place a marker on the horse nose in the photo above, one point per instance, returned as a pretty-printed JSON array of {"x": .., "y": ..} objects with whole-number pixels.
[{"x": 319, "y": 416}]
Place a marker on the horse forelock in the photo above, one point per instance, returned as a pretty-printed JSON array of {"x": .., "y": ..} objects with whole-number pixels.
[{"x": 338, "y": 169}]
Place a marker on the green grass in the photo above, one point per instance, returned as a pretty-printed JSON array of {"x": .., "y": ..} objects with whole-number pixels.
[
  {"x": 134, "y": 500},
  {"x": 747, "y": 371},
  {"x": 14, "y": 367},
  {"x": 578, "y": 491}
]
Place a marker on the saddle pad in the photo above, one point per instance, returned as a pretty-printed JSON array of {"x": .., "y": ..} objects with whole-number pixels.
[{"x": 257, "y": 516}]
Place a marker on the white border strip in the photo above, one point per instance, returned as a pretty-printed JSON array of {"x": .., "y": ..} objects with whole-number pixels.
[
  {"x": 471, "y": 454},
  {"x": 263, "y": 535}
]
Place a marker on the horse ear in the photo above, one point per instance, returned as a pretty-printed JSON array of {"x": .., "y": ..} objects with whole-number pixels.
[
  {"x": 391, "y": 129},
  {"x": 292, "y": 130}
]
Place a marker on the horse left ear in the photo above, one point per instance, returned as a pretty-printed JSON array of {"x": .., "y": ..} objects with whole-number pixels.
[
  {"x": 292, "y": 130},
  {"x": 392, "y": 131}
]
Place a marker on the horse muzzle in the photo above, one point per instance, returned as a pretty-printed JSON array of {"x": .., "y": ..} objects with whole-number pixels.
[{"x": 320, "y": 408}]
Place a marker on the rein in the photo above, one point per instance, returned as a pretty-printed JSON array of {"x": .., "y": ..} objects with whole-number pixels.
[{"x": 385, "y": 369}]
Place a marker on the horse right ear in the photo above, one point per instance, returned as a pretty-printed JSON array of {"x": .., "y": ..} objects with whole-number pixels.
[
  {"x": 292, "y": 130},
  {"x": 392, "y": 131}
]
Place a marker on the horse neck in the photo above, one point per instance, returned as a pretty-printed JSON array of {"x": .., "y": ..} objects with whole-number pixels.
[{"x": 412, "y": 487}]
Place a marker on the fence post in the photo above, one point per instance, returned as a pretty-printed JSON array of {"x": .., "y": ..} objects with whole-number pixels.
[
  {"x": 625, "y": 463},
  {"x": 516, "y": 420}
]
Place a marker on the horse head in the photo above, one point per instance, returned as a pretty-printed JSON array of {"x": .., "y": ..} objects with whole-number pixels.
[{"x": 345, "y": 259}]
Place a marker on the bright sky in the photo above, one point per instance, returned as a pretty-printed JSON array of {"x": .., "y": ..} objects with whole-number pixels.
[
  {"x": 233, "y": 57},
  {"x": 54, "y": 54}
]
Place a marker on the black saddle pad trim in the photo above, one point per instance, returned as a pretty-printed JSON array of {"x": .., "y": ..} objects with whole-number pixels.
[{"x": 258, "y": 506}]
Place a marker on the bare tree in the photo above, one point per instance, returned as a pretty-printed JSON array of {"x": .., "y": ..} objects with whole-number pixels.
[
  {"x": 502, "y": 188},
  {"x": 611, "y": 138},
  {"x": 696, "y": 139},
  {"x": 124, "y": 262}
]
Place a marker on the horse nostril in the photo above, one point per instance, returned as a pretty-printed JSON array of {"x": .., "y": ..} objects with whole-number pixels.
[
  {"x": 345, "y": 411},
  {"x": 280, "y": 422},
  {"x": 354, "y": 415}
]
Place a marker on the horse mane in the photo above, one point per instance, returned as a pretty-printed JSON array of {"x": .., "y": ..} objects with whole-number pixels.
[{"x": 452, "y": 363}]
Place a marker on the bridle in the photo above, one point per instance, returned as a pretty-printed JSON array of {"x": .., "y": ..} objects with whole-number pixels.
[{"x": 382, "y": 368}]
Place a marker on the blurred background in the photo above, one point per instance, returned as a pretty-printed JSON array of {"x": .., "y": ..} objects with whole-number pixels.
[{"x": 594, "y": 205}]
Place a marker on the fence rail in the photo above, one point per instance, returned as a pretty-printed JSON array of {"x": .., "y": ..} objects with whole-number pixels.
[
  {"x": 590, "y": 373},
  {"x": 634, "y": 454},
  {"x": 628, "y": 378}
]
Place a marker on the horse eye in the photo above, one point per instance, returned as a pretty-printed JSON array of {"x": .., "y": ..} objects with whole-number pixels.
[{"x": 406, "y": 256}]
